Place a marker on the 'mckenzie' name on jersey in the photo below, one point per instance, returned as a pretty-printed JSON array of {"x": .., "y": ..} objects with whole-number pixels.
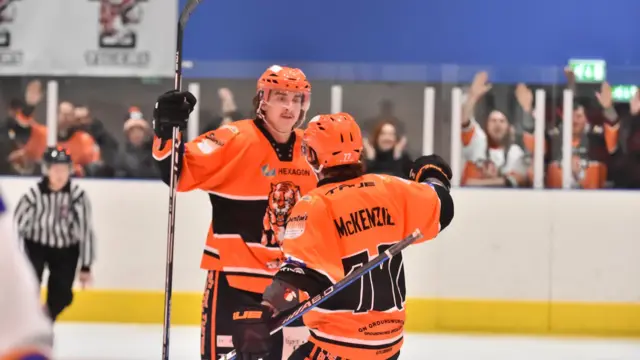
[
  {"x": 363, "y": 219},
  {"x": 336, "y": 229}
]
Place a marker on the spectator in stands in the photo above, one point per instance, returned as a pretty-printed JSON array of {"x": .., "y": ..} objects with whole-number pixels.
[
  {"x": 23, "y": 139},
  {"x": 94, "y": 127},
  {"x": 230, "y": 112},
  {"x": 83, "y": 148},
  {"x": 134, "y": 158},
  {"x": 8, "y": 144},
  {"x": 386, "y": 113},
  {"x": 592, "y": 145},
  {"x": 595, "y": 137},
  {"x": 491, "y": 158},
  {"x": 628, "y": 176},
  {"x": 385, "y": 152}
]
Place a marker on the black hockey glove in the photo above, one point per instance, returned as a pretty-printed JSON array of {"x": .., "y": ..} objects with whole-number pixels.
[
  {"x": 172, "y": 109},
  {"x": 431, "y": 166},
  {"x": 250, "y": 334}
]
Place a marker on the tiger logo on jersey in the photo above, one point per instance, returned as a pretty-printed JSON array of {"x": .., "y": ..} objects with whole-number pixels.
[{"x": 282, "y": 197}]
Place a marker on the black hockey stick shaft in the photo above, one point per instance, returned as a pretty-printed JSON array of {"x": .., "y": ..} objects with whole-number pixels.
[
  {"x": 168, "y": 283},
  {"x": 309, "y": 304}
]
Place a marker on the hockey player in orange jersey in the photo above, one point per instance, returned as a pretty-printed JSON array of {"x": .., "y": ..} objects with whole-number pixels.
[
  {"x": 349, "y": 219},
  {"x": 254, "y": 173}
]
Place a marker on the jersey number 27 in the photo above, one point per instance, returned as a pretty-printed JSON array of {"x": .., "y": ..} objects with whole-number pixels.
[{"x": 381, "y": 289}]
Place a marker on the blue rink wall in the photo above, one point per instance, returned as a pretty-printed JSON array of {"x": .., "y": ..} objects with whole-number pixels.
[{"x": 413, "y": 40}]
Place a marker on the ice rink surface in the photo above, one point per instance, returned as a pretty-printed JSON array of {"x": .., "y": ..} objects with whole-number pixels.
[{"x": 141, "y": 342}]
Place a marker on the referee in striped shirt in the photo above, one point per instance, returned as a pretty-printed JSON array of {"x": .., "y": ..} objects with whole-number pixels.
[{"x": 54, "y": 222}]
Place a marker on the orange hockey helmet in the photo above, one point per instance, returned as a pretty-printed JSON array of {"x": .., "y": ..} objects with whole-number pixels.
[
  {"x": 282, "y": 78},
  {"x": 332, "y": 140}
]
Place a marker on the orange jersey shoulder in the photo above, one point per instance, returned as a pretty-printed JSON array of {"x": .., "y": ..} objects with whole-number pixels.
[
  {"x": 212, "y": 157},
  {"x": 421, "y": 204},
  {"x": 235, "y": 135}
]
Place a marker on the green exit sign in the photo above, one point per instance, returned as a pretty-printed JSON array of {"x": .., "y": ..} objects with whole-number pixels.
[
  {"x": 588, "y": 70},
  {"x": 623, "y": 93}
]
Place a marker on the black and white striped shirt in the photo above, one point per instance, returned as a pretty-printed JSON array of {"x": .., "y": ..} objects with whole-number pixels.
[{"x": 58, "y": 219}]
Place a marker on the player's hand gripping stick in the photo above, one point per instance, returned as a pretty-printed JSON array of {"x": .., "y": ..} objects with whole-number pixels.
[{"x": 288, "y": 317}]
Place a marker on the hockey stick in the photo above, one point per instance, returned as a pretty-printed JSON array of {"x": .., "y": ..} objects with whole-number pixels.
[
  {"x": 168, "y": 282},
  {"x": 304, "y": 307}
]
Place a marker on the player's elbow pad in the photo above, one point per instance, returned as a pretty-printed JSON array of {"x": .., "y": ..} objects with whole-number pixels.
[{"x": 446, "y": 206}]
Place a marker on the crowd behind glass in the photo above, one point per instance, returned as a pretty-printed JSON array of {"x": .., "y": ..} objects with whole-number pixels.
[{"x": 497, "y": 133}]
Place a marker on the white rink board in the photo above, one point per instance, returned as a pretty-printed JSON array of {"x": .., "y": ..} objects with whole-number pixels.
[{"x": 503, "y": 244}]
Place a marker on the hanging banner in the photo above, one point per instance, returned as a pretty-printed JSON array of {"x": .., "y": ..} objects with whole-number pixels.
[{"x": 88, "y": 37}]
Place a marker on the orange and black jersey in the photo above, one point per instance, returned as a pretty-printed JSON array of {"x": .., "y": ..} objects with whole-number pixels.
[
  {"x": 253, "y": 184},
  {"x": 339, "y": 227},
  {"x": 26, "y": 133},
  {"x": 82, "y": 147}
]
